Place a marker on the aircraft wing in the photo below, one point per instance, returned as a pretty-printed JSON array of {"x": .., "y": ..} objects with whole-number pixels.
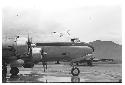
[
  {"x": 82, "y": 58},
  {"x": 64, "y": 44}
]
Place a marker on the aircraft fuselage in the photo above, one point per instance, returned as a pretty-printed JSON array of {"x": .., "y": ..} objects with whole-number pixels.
[{"x": 56, "y": 51}]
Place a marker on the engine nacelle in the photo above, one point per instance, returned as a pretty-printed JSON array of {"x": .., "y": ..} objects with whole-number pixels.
[
  {"x": 36, "y": 54},
  {"x": 17, "y": 63},
  {"x": 34, "y": 59}
]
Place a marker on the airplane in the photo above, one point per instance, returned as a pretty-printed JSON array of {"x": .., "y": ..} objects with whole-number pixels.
[
  {"x": 67, "y": 51},
  {"x": 28, "y": 54}
]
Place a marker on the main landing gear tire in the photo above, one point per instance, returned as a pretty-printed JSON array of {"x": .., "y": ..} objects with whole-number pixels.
[
  {"x": 14, "y": 71},
  {"x": 75, "y": 71}
]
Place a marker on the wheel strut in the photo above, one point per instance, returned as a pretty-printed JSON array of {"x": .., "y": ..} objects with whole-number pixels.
[{"x": 75, "y": 71}]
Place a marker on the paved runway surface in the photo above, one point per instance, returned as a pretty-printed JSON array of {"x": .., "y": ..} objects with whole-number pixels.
[{"x": 61, "y": 73}]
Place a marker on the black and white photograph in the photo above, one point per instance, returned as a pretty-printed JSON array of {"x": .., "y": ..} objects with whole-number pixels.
[{"x": 61, "y": 41}]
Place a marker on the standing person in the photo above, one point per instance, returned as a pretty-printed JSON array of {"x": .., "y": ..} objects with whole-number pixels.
[{"x": 44, "y": 60}]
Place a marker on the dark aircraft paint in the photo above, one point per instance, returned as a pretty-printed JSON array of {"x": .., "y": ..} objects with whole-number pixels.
[{"x": 65, "y": 52}]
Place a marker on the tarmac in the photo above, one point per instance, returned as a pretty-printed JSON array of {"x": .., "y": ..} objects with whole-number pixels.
[{"x": 111, "y": 73}]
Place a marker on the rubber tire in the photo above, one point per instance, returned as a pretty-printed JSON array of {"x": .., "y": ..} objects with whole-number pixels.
[
  {"x": 75, "y": 74},
  {"x": 14, "y": 70}
]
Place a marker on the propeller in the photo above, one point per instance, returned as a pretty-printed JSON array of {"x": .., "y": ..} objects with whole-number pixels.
[{"x": 29, "y": 42}]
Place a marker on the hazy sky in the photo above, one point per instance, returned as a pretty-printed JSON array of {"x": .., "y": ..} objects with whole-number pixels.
[{"x": 89, "y": 22}]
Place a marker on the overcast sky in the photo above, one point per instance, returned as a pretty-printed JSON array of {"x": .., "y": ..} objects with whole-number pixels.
[{"x": 89, "y": 22}]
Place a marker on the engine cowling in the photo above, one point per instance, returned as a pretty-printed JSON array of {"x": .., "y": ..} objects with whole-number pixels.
[
  {"x": 36, "y": 55},
  {"x": 34, "y": 59},
  {"x": 17, "y": 63}
]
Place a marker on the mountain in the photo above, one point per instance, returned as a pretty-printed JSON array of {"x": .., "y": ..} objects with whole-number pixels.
[{"x": 107, "y": 50}]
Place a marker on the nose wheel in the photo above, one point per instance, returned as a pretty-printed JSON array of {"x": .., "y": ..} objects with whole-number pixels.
[{"x": 75, "y": 71}]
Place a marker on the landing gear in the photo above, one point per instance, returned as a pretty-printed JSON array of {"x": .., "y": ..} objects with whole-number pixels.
[
  {"x": 57, "y": 62},
  {"x": 75, "y": 71},
  {"x": 89, "y": 63},
  {"x": 14, "y": 71}
]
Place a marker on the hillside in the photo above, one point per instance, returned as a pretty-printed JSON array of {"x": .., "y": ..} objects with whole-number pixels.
[{"x": 107, "y": 50}]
